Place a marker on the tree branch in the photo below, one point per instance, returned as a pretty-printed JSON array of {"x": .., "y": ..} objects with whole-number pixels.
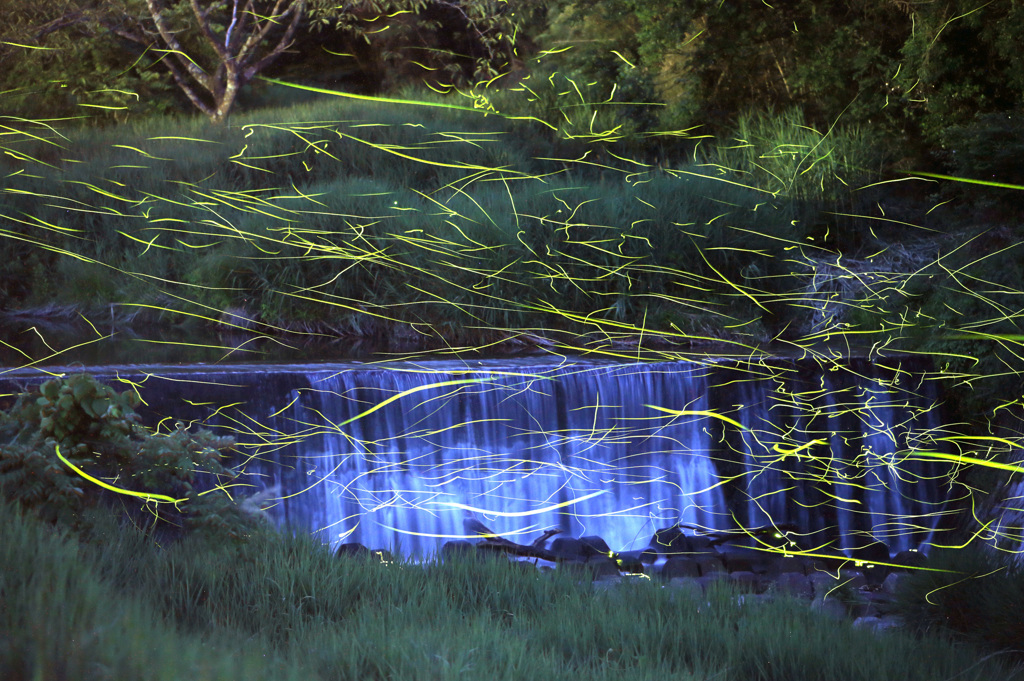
[
  {"x": 155, "y": 11},
  {"x": 204, "y": 28},
  {"x": 299, "y": 7}
]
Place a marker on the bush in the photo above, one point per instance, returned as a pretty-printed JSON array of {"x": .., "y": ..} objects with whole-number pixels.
[{"x": 74, "y": 443}]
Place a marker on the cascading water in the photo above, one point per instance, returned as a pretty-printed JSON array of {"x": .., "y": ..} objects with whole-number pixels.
[
  {"x": 397, "y": 456},
  {"x": 573, "y": 448}
]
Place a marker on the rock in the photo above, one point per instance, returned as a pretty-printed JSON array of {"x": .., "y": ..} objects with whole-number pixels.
[
  {"x": 789, "y": 565},
  {"x": 629, "y": 564},
  {"x": 710, "y": 564},
  {"x": 670, "y": 541},
  {"x": 793, "y": 584},
  {"x": 753, "y": 599},
  {"x": 863, "y": 608},
  {"x": 457, "y": 549},
  {"x": 595, "y": 546},
  {"x": 853, "y": 579},
  {"x": 892, "y": 583},
  {"x": 826, "y": 560},
  {"x": 679, "y": 566},
  {"x": 829, "y": 607},
  {"x": 700, "y": 544},
  {"x": 688, "y": 587},
  {"x": 356, "y": 550},
  {"x": 576, "y": 568},
  {"x": 602, "y": 566},
  {"x": 747, "y": 581},
  {"x": 738, "y": 561},
  {"x": 878, "y": 624},
  {"x": 910, "y": 559},
  {"x": 648, "y": 556},
  {"x": 352, "y": 549},
  {"x": 823, "y": 583},
  {"x": 568, "y": 549},
  {"x": 865, "y": 622},
  {"x": 707, "y": 580}
]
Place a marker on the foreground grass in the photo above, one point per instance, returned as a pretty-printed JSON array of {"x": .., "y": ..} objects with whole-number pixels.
[{"x": 113, "y": 605}]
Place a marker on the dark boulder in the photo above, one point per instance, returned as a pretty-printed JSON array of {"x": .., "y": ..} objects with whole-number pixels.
[
  {"x": 670, "y": 541},
  {"x": 458, "y": 549},
  {"x": 352, "y": 549},
  {"x": 648, "y": 556},
  {"x": 709, "y": 565},
  {"x": 568, "y": 549},
  {"x": 602, "y": 566},
  {"x": 910, "y": 559},
  {"x": 680, "y": 566},
  {"x": 595, "y": 546}
]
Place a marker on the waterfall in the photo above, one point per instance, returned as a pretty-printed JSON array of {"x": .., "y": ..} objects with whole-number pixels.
[{"x": 396, "y": 456}]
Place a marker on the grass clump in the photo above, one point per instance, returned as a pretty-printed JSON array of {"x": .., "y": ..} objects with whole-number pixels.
[{"x": 977, "y": 597}]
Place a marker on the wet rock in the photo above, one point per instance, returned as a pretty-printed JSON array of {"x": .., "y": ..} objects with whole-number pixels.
[
  {"x": 352, "y": 549},
  {"x": 679, "y": 566},
  {"x": 910, "y": 559},
  {"x": 568, "y": 549},
  {"x": 648, "y": 556},
  {"x": 457, "y": 549},
  {"x": 670, "y": 541},
  {"x": 594, "y": 546}
]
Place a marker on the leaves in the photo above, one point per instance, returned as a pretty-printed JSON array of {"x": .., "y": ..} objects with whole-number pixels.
[{"x": 97, "y": 431}]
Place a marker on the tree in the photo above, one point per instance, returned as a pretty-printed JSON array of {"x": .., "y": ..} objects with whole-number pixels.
[
  {"x": 210, "y": 49},
  {"x": 237, "y": 40}
]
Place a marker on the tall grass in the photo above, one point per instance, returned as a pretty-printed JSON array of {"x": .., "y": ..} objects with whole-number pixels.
[
  {"x": 431, "y": 216},
  {"x": 113, "y": 605}
]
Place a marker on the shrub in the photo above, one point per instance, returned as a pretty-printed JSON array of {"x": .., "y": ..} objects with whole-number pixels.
[{"x": 72, "y": 443}]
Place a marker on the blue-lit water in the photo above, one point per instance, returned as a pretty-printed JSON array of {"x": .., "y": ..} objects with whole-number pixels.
[{"x": 396, "y": 456}]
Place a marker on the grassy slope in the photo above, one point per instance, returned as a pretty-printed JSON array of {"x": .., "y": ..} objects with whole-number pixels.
[
  {"x": 116, "y": 606},
  {"x": 352, "y": 217}
]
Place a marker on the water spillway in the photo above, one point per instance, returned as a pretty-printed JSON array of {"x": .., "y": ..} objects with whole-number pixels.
[{"x": 397, "y": 456}]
